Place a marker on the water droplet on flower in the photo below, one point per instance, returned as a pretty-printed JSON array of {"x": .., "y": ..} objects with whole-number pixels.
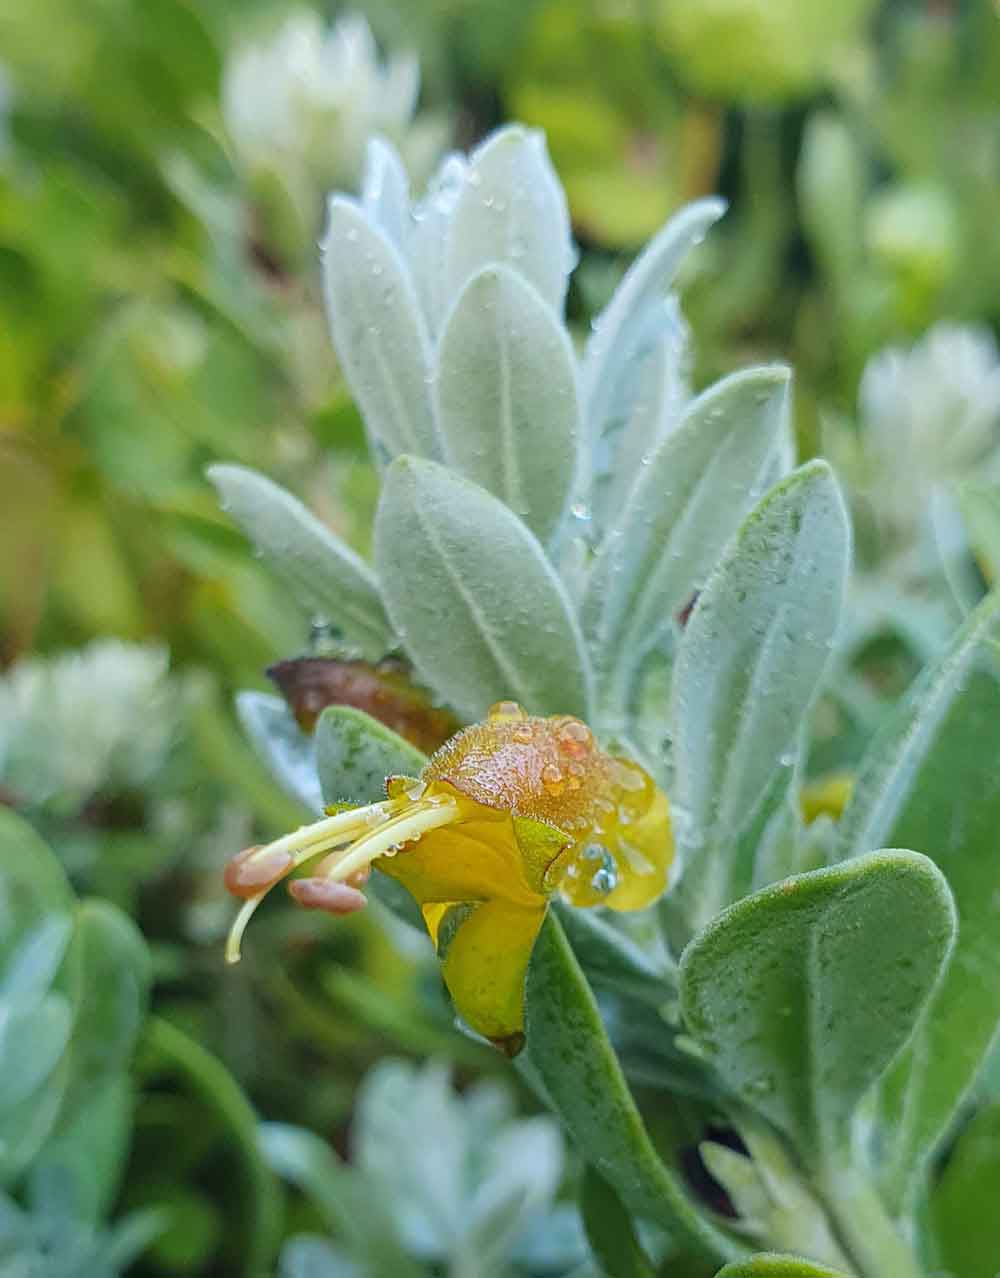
[
  {"x": 575, "y": 738},
  {"x": 507, "y": 710},
  {"x": 604, "y": 880},
  {"x": 628, "y": 776},
  {"x": 553, "y": 779}
]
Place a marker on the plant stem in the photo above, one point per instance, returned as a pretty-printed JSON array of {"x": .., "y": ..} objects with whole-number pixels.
[{"x": 862, "y": 1226}]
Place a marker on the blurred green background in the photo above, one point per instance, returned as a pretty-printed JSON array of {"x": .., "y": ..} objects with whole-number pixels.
[{"x": 163, "y": 168}]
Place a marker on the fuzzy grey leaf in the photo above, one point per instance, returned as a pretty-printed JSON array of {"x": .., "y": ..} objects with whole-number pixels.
[
  {"x": 477, "y": 605},
  {"x": 748, "y": 669},
  {"x": 636, "y": 314},
  {"x": 684, "y": 506},
  {"x": 378, "y": 332},
  {"x": 512, "y": 210},
  {"x": 324, "y": 574},
  {"x": 507, "y": 398}
]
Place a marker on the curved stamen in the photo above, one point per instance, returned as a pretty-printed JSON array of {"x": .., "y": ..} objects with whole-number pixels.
[
  {"x": 390, "y": 824},
  {"x": 254, "y": 872},
  {"x": 417, "y": 819}
]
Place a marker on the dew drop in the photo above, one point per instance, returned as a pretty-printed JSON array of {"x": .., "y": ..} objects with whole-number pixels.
[
  {"x": 507, "y": 710},
  {"x": 553, "y": 779},
  {"x": 575, "y": 739}
]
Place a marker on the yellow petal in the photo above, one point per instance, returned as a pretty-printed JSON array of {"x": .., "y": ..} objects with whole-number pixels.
[
  {"x": 478, "y": 859},
  {"x": 485, "y": 965},
  {"x": 645, "y": 854}
]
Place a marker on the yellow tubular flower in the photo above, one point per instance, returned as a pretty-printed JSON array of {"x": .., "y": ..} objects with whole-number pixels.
[{"x": 506, "y": 813}]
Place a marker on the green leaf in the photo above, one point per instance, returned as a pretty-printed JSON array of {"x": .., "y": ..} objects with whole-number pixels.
[
  {"x": 931, "y": 779},
  {"x": 355, "y": 754},
  {"x": 768, "y": 1265},
  {"x": 570, "y": 1062},
  {"x": 385, "y": 192},
  {"x": 980, "y": 507},
  {"x": 772, "y": 1198},
  {"x": 358, "y": 1214},
  {"x": 610, "y": 1232},
  {"x": 379, "y": 334},
  {"x": 325, "y": 576},
  {"x": 173, "y": 1052},
  {"x": 612, "y": 960},
  {"x": 92, "y": 1141},
  {"x": 963, "y": 1205},
  {"x": 477, "y": 605},
  {"x": 305, "y": 1256},
  {"x": 33, "y": 886},
  {"x": 686, "y": 502},
  {"x": 747, "y": 672},
  {"x": 512, "y": 210},
  {"x": 831, "y": 181},
  {"x": 33, "y": 1036},
  {"x": 802, "y": 994},
  {"x": 635, "y": 315},
  {"x": 507, "y": 398},
  {"x": 657, "y": 396},
  {"x": 429, "y": 239},
  {"x": 109, "y": 975},
  {"x": 282, "y": 744},
  {"x": 32, "y": 967}
]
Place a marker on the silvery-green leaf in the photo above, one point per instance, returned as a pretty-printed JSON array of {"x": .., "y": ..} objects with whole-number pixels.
[
  {"x": 684, "y": 506},
  {"x": 307, "y": 1256},
  {"x": 355, "y": 754},
  {"x": 570, "y": 1063},
  {"x": 32, "y": 965},
  {"x": 324, "y": 574},
  {"x": 931, "y": 776},
  {"x": 362, "y": 1218},
  {"x": 507, "y": 398},
  {"x": 34, "y": 885},
  {"x": 477, "y": 605},
  {"x": 954, "y": 554},
  {"x": 110, "y": 975},
  {"x": 747, "y": 672},
  {"x": 771, "y": 1265},
  {"x": 512, "y": 210},
  {"x": 429, "y": 240},
  {"x": 378, "y": 332},
  {"x": 963, "y": 1204},
  {"x": 611, "y": 1230},
  {"x": 980, "y": 506},
  {"x": 34, "y": 1032},
  {"x": 612, "y": 960},
  {"x": 659, "y": 392},
  {"x": 636, "y": 314},
  {"x": 775, "y": 1202},
  {"x": 802, "y": 994},
  {"x": 385, "y": 192},
  {"x": 92, "y": 1141},
  {"x": 282, "y": 744}
]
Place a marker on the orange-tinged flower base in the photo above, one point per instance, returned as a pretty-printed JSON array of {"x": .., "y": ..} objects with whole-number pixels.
[{"x": 506, "y": 813}]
